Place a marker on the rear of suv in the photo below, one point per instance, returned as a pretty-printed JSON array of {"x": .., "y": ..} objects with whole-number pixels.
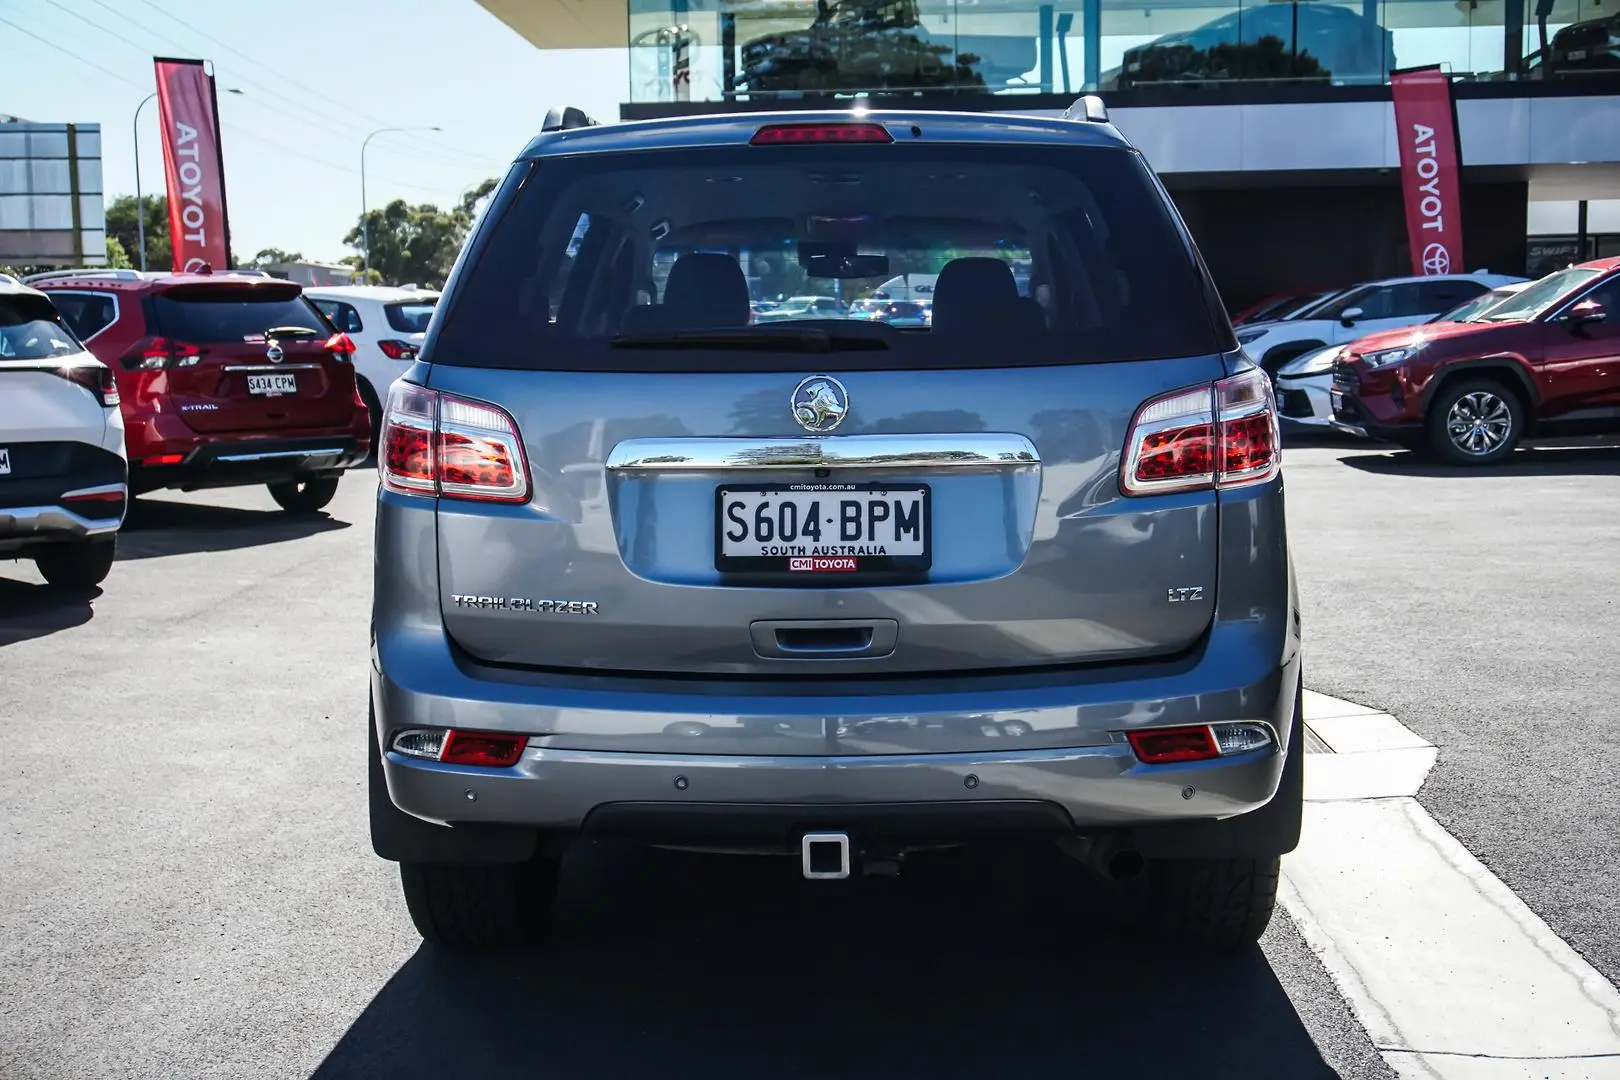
[
  {"x": 1542, "y": 362},
  {"x": 226, "y": 380},
  {"x": 387, "y": 325},
  {"x": 62, "y": 472},
  {"x": 866, "y": 589}
]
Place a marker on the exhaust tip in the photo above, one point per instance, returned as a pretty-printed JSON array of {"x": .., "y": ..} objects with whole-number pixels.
[{"x": 1125, "y": 865}]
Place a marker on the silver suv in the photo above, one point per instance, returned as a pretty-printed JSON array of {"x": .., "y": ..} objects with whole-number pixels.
[{"x": 825, "y": 587}]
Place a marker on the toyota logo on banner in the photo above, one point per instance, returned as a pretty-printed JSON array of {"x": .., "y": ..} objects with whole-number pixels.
[{"x": 1436, "y": 259}]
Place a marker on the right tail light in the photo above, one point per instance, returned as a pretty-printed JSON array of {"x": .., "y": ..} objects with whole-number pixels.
[
  {"x": 442, "y": 446},
  {"x": 1223, "y": 435},
  {"x": 397, "y": 350}
]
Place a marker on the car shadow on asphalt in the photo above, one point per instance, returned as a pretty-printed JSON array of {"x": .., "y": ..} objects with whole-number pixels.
[
  {"x": 29, "y": 611},
  {"x": 1526, "y": 461},
  {"x": 158, "y": 527},
  {"x": 677, "y": 965}
]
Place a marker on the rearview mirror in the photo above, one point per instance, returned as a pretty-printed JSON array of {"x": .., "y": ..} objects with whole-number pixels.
[
  {"x": 1587, "y": 311},
  {"x": 840, "y": 261},
  {"x": 1350, "y": 315}
]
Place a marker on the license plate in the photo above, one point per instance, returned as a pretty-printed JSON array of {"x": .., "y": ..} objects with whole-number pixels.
[
  {"x": 271, "y": 385},
  {"x": 1577, "y": 54},
  {"x": 817, "y": 533},
  {"x": 5, "y": 462}
]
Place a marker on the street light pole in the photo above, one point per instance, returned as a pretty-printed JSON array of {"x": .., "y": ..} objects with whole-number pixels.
[
  {"x": 365, "y": 206},
  {"x": 140, "y": 207}
]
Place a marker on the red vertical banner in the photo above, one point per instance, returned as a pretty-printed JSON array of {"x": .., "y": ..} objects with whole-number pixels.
[
  {"x": 1431, "y": 159},
  {"x": 188, "y": 110}
]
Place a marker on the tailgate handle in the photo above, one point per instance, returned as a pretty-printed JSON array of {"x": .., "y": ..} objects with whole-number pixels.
[{"x": 824, "y": 639}]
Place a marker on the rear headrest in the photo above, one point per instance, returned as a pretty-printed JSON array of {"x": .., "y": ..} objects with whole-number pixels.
[
  {"x": 707, "y": 290},
  {"x": 974, "y": 295}
]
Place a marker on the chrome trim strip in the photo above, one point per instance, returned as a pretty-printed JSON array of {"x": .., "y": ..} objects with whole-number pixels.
[
  {"x": 977, "y": 450},
  {"x": 272, "y": 367},
  {"x": 24, "y": 522},
  {"x": 328, "y": 452}
]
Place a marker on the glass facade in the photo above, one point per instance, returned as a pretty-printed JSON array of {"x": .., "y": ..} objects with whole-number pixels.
[
  {"x": 51, "y": 207},
  {"x": 706, "y": 50}
]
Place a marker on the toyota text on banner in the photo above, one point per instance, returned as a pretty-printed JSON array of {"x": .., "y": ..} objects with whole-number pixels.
[
  {"x": 1426, "y": 129},
  {"x": 188, "y": 111}
]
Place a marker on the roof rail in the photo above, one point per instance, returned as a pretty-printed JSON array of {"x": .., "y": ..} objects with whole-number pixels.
[
  {"x": 63, "y": 275},
  {"x": 566, "y": 118},
  {"x": 1087, "y": 107}
]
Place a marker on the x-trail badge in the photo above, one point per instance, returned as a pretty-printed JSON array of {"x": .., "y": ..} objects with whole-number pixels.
[{"x": 820, "y": 403}]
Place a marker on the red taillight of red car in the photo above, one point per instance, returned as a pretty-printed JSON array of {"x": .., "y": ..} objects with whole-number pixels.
[
  {"x": 799, "y": 134},
  {"x": 444, "y": 446},
  {"x": 155, "y": 353},
  {"x": 1223, "y": 435},
  {"x": 397, "y": 350},
  {"x": 340, "y": 346}
]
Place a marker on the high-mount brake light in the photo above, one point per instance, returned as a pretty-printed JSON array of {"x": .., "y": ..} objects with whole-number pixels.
[
  {"x": 779, "y": 134},
  {"x": 1223, "y": 435},
  {"x": 440, "y": 445}
]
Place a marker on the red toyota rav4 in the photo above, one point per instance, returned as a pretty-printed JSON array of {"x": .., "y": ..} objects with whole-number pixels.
[
  {"x": 1545, "y": 361},
  {"x": 226, "y": 380}
]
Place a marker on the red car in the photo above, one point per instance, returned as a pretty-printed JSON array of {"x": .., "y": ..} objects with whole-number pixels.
[
  {"x": 226, "y": 380},
  {"x": 1546, "y": 361}
]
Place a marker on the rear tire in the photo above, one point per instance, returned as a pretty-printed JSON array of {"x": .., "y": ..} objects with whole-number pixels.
[
  {"x": 80, "y": 566},
  {"x": 374, "y": 409},
  {"x": 475, "y": 907},
  {"x": 304, "y": 497},
  {"x": 1221, "y": 905}
]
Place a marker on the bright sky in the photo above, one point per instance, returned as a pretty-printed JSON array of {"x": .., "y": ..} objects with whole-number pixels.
[{"x": 316, "y": 77}]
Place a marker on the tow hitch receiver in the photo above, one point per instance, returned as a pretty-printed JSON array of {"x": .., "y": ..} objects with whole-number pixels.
[{"x": 824, "y": 855}]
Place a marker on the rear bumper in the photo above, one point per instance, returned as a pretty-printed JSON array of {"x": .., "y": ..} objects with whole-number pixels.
[
  {"x": 240, "y": 461},
  {"x": 77, "y": 505}
]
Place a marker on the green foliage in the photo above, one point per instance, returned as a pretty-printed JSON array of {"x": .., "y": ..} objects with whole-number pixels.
[
  {"x": 415, "y": 243},
  {"x": 121, "y": 225},
  {"x": 117, "y": 257},
  {"x": 273, "y": 256}
]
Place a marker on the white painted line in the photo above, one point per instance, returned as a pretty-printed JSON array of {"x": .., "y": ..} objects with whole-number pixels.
[
  {"x": 1386, "y": 774},
  {"x": 1319, "y": 706},
  {"x": 1451, "y": 974},
  {"x": 1367, "y": 733}
]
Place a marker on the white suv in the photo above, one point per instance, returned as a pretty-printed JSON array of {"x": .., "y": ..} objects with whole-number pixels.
[
  {"x": 63, "y": 476},
  {"x": 1362, "y": 310},
  {"x": 386, "y": 324}
]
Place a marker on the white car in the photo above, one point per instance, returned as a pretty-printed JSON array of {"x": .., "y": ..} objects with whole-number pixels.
[
  {"x": 64, "y": 480},
  {"x": 387, "y": 325},
  {"x": 1305, "y": 384},
  {"x": 1362, "y": 310}
]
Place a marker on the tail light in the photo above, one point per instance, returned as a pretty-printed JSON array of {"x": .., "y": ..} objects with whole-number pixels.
[
  {"x": 96, "y": 378},
  {"x": 488, "y": 748},
  {"x": 340, "y": 346},
  {"x": 397, "y": 350},
  {"x": 798, "y": 134},
  {"x": 1201, "y": 742},
  {"x": 444, "y": 446},
  {"x": 1224, "y": 435},
  {"x": 160, "y": 352}
]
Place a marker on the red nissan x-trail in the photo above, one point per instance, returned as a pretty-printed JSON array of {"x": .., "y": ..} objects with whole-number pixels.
[{"x": 226, "y": 380}]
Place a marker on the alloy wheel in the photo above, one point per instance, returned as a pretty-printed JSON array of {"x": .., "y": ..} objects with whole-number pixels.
[{"x": 1479, "y": 422}]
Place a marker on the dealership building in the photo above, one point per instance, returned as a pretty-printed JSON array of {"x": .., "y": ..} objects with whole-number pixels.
[
  {"x": 51, "y": 210},
  {"x": 1271, "y": 123}
]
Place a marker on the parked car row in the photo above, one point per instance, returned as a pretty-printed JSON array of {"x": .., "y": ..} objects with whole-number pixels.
[
  {"x": 116, "y": 383},
  {"x": 1520, "y": 359}
]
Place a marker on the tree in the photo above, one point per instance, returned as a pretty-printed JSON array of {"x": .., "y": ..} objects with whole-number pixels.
[
  {"x": 117, "y": 257},
  {"x": 273, "y": 256},
  {"x": 121, "y": 225}
]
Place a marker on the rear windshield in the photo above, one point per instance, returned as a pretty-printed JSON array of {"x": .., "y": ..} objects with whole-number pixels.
[
  {"x": 30, "y": 329},
  {"x": 410, "y": 316},
  {"x": 1048, "y": 254},
  {"x": 238, "y": 314}
]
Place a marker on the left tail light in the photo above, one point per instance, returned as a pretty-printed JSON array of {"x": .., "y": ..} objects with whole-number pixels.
[
  {"x": 397, "y": 350},
  {"x": 491, "y": 749},
  {"x": 443, "y": 446},
  {"x": 1222, "y": 435},
  {"x": 96, "y": 378},
  {"x": 341, "y": 346}
]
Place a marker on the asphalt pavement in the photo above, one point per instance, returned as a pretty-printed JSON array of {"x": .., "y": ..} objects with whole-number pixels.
[{"x": 189, "y": 890}]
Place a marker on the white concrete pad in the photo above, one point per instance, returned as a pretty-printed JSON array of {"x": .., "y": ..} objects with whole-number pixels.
[
  {"x": 1387, "y": 774},
  {"x": 1451, "y": 974},
  {"x": 1318, "y": 706},
  {"x": 1363, "y": 733}
]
